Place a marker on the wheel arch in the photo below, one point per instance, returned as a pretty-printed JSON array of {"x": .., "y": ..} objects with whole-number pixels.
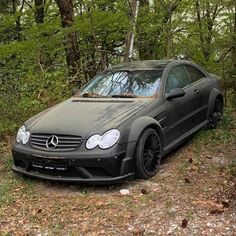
[
  {"x": 137, "y": 128},
  {"x": 215, "y": 93}
]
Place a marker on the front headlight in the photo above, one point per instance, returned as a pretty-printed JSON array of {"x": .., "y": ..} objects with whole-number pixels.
[
  {"x": 22, "y": 135},
  {"x": 93, "y": 141},
  {"x": 107, "y": 140}
]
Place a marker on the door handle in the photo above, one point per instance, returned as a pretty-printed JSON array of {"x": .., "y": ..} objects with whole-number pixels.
[{"x": 196, "y": 92}]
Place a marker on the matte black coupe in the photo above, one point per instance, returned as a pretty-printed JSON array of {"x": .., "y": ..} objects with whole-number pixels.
[{"x": 120, "y": 124}]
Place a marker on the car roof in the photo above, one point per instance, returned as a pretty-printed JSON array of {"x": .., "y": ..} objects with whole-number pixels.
[{"x": 145, "y": 64}]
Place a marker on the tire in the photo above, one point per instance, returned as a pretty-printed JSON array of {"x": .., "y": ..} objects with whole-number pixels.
[
  {"x": 148, "y": 154},
  {"x": 217, "y": 114}
]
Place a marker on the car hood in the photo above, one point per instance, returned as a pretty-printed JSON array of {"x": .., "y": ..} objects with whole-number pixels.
[{"x": 86, "y": 116}]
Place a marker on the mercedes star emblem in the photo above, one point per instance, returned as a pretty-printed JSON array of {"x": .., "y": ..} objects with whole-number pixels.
[{"x": 52, "y": 142}]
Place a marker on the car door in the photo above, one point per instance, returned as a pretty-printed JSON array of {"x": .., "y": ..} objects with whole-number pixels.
[
  {"x": 201, "y": 85},
  {"x": 180, "y": 111}
]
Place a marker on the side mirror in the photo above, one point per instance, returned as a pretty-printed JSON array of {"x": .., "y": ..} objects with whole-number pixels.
[
  {"x": 175, "y": 93},
  {"x": 74, "y": 91}
]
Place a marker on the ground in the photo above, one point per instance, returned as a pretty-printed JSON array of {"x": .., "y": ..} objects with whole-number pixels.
[{"x": 193, "y": 194}]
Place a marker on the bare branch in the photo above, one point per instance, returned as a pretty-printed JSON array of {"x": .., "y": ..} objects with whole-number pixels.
[{"x": 28, "y": 4}]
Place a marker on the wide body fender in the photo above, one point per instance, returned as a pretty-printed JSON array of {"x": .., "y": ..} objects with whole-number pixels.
[
  {"x": 211, "y": 102},
  {"x": 137, "y": 127}
]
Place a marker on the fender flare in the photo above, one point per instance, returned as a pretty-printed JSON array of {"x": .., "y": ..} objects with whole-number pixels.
[
  {"x": 211, "y": 101},
  {"x": 137, "y": 127}
]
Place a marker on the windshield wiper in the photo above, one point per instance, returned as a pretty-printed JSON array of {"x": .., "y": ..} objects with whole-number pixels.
[{"x": 124, "y": 95}]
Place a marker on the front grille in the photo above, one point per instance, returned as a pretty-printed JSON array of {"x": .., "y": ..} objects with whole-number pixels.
[{"x": 65, "y": 142}]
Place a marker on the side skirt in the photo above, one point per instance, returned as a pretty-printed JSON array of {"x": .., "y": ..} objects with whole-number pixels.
[{"x": 183, "y": 137}]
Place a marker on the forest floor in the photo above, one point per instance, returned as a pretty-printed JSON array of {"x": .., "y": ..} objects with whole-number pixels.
[{"x": 193, "y": 194}]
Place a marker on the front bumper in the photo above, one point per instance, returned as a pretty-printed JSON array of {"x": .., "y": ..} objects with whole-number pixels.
[{"x": 67, "y": 168}]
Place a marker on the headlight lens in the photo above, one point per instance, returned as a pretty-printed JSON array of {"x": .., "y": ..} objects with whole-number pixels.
[
  {"x": 107, "y": 140},
  {"x": 22, "y": 135},
  {"x": 93, "y": 141},
  {"x": 25, "y": 137}
]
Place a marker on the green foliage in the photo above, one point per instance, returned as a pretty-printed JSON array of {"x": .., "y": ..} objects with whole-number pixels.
[
  {"x": 33, "y": 68},
  {"x": 223, "y": 135}
]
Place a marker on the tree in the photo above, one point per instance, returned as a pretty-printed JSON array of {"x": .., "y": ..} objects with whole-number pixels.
[
  {"x": 40, "y": 45},
  {"x": 134, "y": 6},
  {"x": 234, "y": 39},
  {"x": 39, "y": 11},
  {"x": 157, "y": 26},
  {"x": 206, "y": 18},
  {"x": 71, "y": 45}
]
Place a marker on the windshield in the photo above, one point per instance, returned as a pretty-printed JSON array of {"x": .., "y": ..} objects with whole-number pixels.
[{"x": 142, "y": 83}]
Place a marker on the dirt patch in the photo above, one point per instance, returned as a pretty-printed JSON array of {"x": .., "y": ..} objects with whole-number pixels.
[{"x": 193, "y": 194}]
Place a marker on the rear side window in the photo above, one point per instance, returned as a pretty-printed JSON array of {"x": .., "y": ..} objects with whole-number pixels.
[
  {"x": 177, "y": 78},
  {"x": 194, "y": 73}
]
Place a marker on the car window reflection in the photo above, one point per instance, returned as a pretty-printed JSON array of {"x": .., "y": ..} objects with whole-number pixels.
[
  {"x": 177, "y": 78},
  {"x": 141, "y": 83}
]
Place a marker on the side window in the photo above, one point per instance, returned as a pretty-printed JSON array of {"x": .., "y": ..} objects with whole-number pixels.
[
  {"x": 194, "y": 73},
  {"x": 177, "y": 78}
]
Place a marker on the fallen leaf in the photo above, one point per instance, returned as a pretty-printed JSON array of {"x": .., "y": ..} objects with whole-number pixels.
[
  {"x": 138, "y": 232},
  {"x": 225, "y": 203},
  {"x": 216, "y": 211},
  {"x": 39, "y": 210},
  {"x": 184, "y": 223},
  {"x": 209, "y": 204},
  {"x": 144, "y": 191},
  {"x": 187, "y": 180},
  {"x": 193, "y": 168}
]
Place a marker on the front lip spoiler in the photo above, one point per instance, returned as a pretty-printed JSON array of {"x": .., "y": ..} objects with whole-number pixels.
[{"x": 69, "y": 179}]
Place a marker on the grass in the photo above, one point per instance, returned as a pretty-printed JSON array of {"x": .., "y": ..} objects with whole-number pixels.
[
  {"x": 232, "y": 167},
  {"x": 212, "y": 141},
  {"x": 5, "y": 192},
  {"x": 183, "y": 166},
  {"x": 6, "y": 182},
  {"x": 12, "y": 187}
]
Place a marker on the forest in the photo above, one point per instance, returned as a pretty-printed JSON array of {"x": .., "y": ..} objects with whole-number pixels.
[{"x": 49, "y": 47}]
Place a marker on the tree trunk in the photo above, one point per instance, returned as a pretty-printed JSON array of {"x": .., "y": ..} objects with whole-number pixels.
[
  {"x": 169, "y": 37},
  {"x": 206, "y": 20},
  {"x": 18, "y": 23},
  {"x": 234, "y": 39},
  {"x": 39, "y": 11},
  {"x": 71, "y": 45},
  {"x": 167, "y": 29},
  {"x": 131, "y": 33},
  {"x": 234, "y": 57},
  {"x": 146, "y": 46}
]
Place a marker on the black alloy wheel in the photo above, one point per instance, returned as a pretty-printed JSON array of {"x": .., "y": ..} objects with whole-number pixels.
[
  {"x": 148, "y": 154},
  {"x": 217, "y": 114}
]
